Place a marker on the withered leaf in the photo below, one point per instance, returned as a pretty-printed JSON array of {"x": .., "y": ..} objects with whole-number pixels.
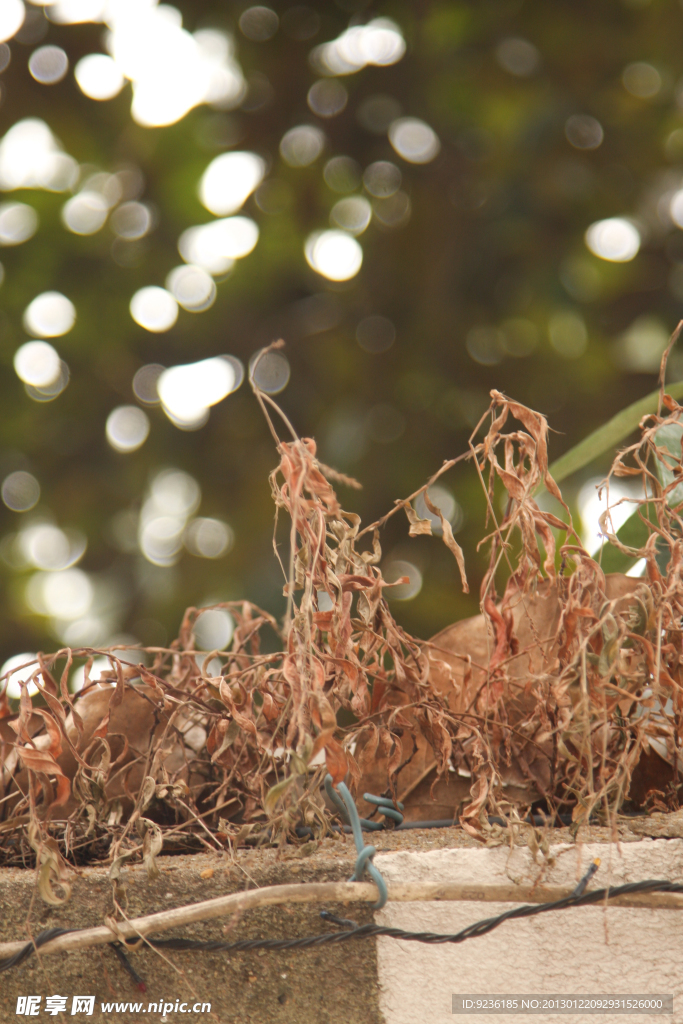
[
  {"x": 449, "y": 540},
  {"x": 418, "y": 526},
  {"x": 276, "y": 793},
  {"x": 152, "y": 844}
]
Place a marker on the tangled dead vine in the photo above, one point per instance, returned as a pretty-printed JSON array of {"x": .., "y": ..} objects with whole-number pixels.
[{"x": 563, "y": 694}]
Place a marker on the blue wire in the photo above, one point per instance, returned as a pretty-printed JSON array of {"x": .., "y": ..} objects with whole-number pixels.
[{"x": 343, "y": 801}]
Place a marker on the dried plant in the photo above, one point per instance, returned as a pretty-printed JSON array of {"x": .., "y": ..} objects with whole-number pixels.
[{"x": 564, "y": 694}]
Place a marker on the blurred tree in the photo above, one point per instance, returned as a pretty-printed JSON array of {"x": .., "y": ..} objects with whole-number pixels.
[{"x": 461, "y": 150}]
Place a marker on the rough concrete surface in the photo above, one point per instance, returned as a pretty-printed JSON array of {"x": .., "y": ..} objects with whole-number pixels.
[
  {"x": 589, "y": 950},
  {"x": 324, "y": 986}
]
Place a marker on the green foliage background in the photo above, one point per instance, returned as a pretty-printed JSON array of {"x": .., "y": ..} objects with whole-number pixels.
[{"x": 496, "y": 232}]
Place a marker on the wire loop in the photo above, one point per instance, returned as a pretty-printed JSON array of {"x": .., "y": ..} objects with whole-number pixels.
[
  {"x": 343, "y": 801},
  {"x": 386, "y": 807}
]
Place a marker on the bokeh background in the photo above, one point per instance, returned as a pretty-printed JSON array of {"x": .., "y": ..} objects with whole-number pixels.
[{"x": 425, "y": 200}]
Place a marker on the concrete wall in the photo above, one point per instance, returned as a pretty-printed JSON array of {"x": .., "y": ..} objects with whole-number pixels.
[
  {"x": 589, "y": 950},
  {"x": 596, "y": 950}
]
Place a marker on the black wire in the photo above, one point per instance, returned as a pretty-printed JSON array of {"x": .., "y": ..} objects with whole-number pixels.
[
  {"x": 581, "y": 887},
  {"x": 127, "y": 966},
  {"x": 432, "y": 938},
  {"x": 577, "y": 899},
  {"x": 305, "y": 832},
  {"x": 368, "y": 930},
  {"x": 40, "y": 940}
]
